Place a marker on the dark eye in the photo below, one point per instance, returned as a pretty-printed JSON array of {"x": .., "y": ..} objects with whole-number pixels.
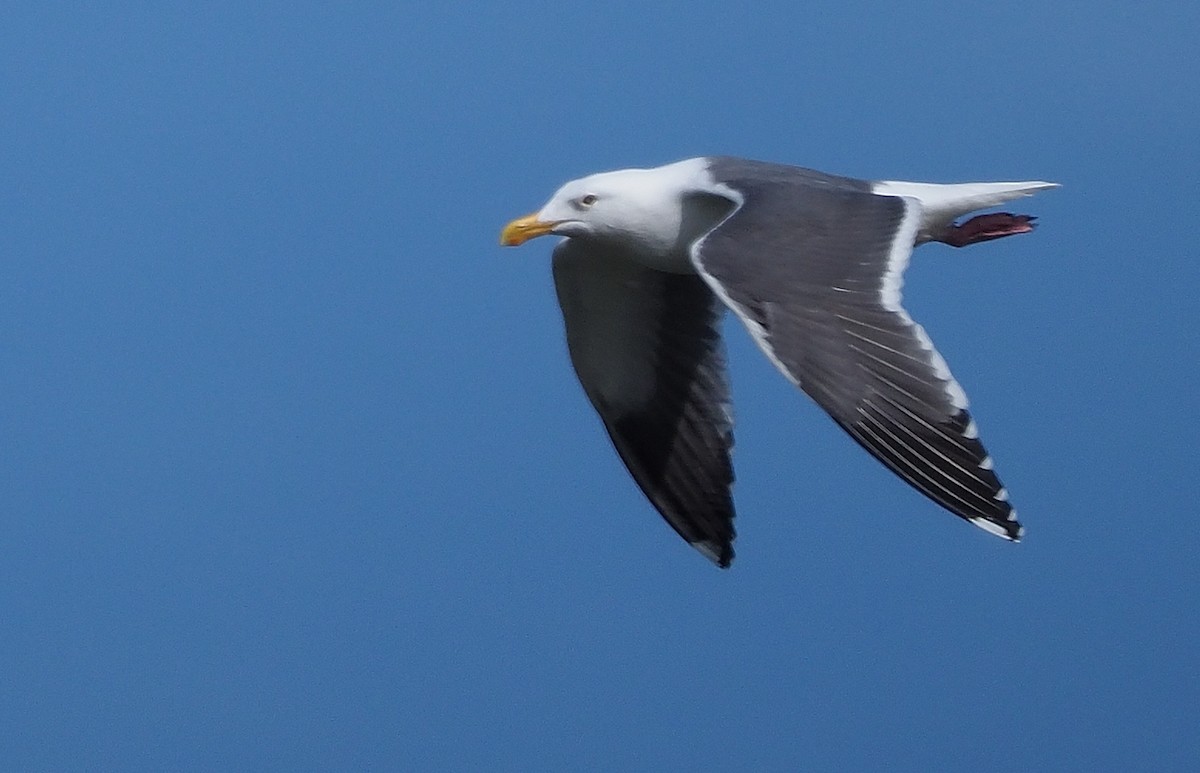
[{"x": 588, "y": 200}]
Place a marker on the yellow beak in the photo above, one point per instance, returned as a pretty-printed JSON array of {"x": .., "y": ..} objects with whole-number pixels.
[{"x": 525, "y": 228}]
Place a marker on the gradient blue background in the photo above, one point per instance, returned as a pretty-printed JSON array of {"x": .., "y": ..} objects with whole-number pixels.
[{"x": 295, "y": 474}]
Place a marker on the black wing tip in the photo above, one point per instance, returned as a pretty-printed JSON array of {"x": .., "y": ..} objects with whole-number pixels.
[
  {"x": 720, "y": 553},
  {"x": 1007, "y": 528},
  {"x": 988, "y": 506}
]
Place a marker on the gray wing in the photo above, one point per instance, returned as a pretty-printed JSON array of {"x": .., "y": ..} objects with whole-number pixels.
[
  {"x": 814, "y": 271},
  {"x": 647, "y": 349}
]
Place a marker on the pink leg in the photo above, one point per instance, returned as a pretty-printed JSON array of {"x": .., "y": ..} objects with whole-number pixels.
[{"x": 982, "y": 228}]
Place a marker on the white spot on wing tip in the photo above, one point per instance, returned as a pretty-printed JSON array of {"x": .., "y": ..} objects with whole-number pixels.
[
  {"x": 972, "y": 431},
  {"x": 990, "y": 527},
  {"x": 1001, "y": 496},
  {"x": 987, "y": 463},
  {"x": 710, "y": 550}
]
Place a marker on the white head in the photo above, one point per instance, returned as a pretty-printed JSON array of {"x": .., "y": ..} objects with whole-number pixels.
[{"x": 638, "y": 209}]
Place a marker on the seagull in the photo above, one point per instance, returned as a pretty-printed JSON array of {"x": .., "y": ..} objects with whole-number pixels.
[{"x": 812, "y": 264}]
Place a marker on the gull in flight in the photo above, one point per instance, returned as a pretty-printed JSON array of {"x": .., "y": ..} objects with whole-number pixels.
[{"x": 812, "y": 265}]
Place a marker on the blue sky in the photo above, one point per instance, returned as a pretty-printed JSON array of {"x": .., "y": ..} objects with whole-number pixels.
[{"x": 296, "y": 474}]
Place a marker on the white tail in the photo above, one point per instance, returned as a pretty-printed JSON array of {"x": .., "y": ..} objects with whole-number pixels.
[{"x": 942, "y": 204}]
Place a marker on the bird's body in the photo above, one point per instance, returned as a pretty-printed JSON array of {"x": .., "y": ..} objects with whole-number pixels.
[{"x": 812, "y": 264}]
